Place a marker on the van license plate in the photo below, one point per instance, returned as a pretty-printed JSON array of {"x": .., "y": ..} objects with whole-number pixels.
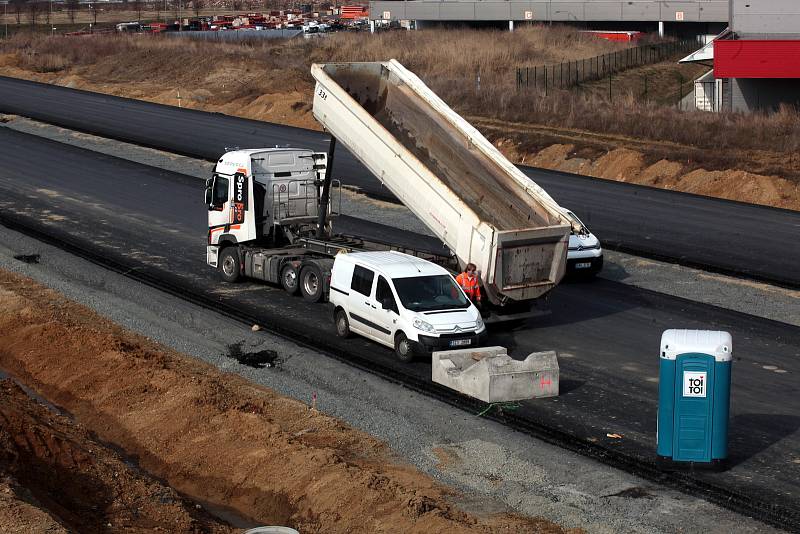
[
  {"x": 460, "y": 342},
  {"x": 583, "y": 265}
]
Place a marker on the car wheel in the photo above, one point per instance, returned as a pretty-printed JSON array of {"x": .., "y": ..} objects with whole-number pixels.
[
  {"x": 342, "y": 324},
  {"x": 403, "y": 348},
  {"x": 289, "y": 279},
  {"x": 230, "y": 266},
  {"x": 311, "y": 283}
]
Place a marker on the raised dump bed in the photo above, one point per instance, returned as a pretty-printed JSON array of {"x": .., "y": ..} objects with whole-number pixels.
[{"x": 477, "y": 202}]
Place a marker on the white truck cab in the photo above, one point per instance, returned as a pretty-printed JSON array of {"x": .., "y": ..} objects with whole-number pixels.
[{"x": 403, "y": 302}]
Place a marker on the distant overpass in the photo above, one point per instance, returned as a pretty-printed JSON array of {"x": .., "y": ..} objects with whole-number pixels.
[{"x": 713, "y": 11}]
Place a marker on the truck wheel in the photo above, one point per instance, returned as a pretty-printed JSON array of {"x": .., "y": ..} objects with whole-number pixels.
[
  {"x": 289, "y": 279},
  {"x": 342, "y": 324},
  {"x": 403, "y": 348},
  {"x": 311, "y": 283},
  {"x": 230, "y": 265}
]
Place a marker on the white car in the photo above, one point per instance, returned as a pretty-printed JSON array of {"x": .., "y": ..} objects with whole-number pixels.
[
  {"x": 406, "y": 303},
  {"x": 585, "y": 255}
]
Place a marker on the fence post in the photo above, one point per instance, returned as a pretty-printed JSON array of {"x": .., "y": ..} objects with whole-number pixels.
[
  {"x": 645, "y": 88},
  {"x": 545, "y": 80},
  {"x": 609, "y": 86}
]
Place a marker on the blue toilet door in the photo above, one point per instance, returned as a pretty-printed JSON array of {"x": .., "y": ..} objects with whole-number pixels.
[{"x": 694, "y": 381}]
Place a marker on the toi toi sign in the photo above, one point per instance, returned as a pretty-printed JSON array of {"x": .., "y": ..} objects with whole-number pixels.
[{"x": 694, "y": 384}]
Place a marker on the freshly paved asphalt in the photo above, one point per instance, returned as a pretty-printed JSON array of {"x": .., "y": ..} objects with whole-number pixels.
[
  {"x": 607, "y": 333},
  {"x": 730, "y": 237}
]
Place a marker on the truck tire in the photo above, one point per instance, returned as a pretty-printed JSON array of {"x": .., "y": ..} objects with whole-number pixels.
[
  {"x": 230, "y": 264},
  {"x": 289, "y": 279},
  {"x": 342, "y": 323},
  {"x": 311, "y": 285},
  {"x": 403, "y": 348}
]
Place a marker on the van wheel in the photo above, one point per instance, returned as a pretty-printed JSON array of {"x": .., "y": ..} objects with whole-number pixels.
[
  {"x": 230, "y": 266},
  {"x": 311, "y": 283},
  {"x": 289, "y": 279},
  {"x": 403, "y": 348},
  {"x": 342, "y": 324}
]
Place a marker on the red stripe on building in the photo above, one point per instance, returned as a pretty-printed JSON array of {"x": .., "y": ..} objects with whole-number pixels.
[{"x": 742, "y": 58}]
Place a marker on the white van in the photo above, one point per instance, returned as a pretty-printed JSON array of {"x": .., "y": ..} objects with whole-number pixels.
[
  {"x": 403, "y": 302},
  {"x": 585, "y": 254}
]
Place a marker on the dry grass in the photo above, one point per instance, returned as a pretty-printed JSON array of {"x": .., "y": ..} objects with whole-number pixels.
[{"x": 449, "y": 61}]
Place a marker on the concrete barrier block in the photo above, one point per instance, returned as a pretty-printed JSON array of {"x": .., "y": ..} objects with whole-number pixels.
[{"x": 491, "y": 375}]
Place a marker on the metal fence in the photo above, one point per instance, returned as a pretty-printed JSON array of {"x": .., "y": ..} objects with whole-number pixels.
[{"x": 571, "y": 73}]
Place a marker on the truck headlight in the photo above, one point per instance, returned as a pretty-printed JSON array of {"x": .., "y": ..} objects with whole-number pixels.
[
  {"x": 479, "y": 326},
  {"x": 419, "y": 324}
]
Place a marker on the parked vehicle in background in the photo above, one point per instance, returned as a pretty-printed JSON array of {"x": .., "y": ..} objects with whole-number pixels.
[
  {"x": 404, "y": 302},
  {"x": 585, "y": 255}
]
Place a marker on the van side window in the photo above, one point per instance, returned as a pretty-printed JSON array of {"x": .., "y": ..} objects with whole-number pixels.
[
  {"x": 362, "y": 280},
  {"x": 383, "y": 293}
]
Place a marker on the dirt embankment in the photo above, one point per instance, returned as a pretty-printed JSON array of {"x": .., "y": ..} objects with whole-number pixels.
[
  {"x": 213, "y": 437},
  {"x": 56, "y": 475},
  {"x": 637, "y": 162}
]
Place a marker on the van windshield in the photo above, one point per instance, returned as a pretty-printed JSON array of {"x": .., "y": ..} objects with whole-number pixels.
[{"x": 427, "y": 293}]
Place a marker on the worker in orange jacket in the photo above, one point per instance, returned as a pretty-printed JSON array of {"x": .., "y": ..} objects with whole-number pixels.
[{"x": 469, "y": 282}]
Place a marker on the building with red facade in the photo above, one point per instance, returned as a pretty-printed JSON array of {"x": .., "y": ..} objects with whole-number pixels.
[{"x": 757, "y": 58}]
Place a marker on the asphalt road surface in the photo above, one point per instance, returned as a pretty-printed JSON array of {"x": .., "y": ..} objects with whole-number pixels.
[
  {"x": 607, "y": 333},
  {"x": 729, "y": 237}
]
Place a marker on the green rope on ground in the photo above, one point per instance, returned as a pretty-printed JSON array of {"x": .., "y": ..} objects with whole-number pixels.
[{"x": 510, "y": 406}]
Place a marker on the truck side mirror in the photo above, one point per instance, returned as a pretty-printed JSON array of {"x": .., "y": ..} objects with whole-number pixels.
[{"x": 208, "y": 197}]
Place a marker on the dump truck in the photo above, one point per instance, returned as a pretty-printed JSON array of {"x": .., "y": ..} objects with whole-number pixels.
[
  {"x": 272, "y": 210},
  {"x": 484, "y": 209}
]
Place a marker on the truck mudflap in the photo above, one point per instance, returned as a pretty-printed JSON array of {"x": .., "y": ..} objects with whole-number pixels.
[{"x": 212, "y": 255}]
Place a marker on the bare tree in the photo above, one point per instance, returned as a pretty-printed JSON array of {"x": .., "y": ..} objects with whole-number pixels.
[
  {"x": 93, "y": 9},
  {"x": 237, "y": 5},
  {"x": 72, "y": 6},
  {"x": 197, "y": 5}
]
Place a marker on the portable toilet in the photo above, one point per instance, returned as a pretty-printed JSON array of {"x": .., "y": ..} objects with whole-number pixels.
[{"x": 694, "y": 395}]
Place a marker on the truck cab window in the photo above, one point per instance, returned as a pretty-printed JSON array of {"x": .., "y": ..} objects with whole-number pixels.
[
  {"x": 383, "y": 294},
  {"x": 219, "y": 195},
  {"x": 362, "y": 280}
]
